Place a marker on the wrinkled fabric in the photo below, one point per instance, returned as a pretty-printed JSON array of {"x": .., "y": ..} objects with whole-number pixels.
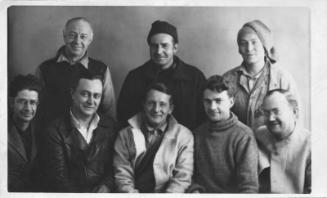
[{"x": 173, "y": 162}]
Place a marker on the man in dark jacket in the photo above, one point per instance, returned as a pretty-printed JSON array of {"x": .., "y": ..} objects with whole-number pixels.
[
  {"x": 71, "y": 58},
  {"x": 22, "y": 147},
  {"x": 183, "y": 80},
  {"x": 78, "y": 147}
]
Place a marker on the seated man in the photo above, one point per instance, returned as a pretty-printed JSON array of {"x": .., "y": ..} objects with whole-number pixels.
[
  {"x": 78, "y": 147},
  {"x": 154, "y": 154},
  {"x": 226, "y": 155},
  {"x": 284, "y": 147},
  {"x": 24, "y": 94}
]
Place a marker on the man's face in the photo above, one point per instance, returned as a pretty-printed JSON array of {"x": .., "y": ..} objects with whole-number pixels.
[
  {"x": 25, "y": 105},
  {"x": 279, "y": 115},
  {"x": 78, "y": 36},
  {"x": 217, "y": 105},
  {"x": 162, "y": 50},
  {"x": 157, "y": 107},
  {"x": 87, "y": 97},
  {"x": 251, "y": 48}
]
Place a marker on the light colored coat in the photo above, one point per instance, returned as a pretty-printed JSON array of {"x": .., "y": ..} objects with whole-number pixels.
[
  {"x": 289, "y": 160},
  {"x": 173, "y": 162},
  {"x": 248, "y": 102}
]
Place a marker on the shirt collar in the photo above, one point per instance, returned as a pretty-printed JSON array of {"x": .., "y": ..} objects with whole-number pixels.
[
  {"x": 150, "y": 129},
  {"x": 243, "y": 71},
  {"x": 62, "y": 58},
  {"x": 93, "y": 124}
]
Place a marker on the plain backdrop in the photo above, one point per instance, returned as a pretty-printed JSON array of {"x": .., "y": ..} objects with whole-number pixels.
[{"x": 207, "y": 38}]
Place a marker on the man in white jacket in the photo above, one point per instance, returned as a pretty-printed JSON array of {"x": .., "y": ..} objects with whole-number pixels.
[
  {"x": 285, "y": 147},
  {"x": 154, "y": 153}
]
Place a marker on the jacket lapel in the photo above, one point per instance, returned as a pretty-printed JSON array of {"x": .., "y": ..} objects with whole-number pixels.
[
  {"x": 15, "y": 141},
  {"x": 72, "y": 136},
  {"x": 34, "y": 146}
]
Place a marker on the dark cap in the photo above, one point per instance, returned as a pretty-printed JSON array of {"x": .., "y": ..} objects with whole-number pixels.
[{"x": 163, "y": 27}]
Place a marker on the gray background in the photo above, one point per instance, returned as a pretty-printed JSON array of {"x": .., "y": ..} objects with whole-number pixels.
[{"x": 207, "y": 38}]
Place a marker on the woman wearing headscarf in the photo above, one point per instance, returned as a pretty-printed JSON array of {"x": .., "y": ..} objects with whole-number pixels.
[{"x": 257, "y": 74}]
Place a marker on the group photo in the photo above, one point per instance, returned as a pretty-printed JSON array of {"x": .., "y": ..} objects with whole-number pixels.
[{"x": 159, "y": 99}]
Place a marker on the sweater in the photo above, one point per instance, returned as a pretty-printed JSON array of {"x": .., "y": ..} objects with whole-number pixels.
[{"x": 226, "y": 157}]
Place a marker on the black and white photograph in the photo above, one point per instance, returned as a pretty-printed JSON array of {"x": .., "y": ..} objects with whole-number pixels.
[{"x": 218, "y": 99}]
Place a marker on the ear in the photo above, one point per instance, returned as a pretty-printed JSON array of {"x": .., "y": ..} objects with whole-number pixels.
[
  {"x": 231, "y": 99},
  {"x": 296, "y": 112},
  {"x": 175, "y": 49},
  {"x": 171, "y": 108}
]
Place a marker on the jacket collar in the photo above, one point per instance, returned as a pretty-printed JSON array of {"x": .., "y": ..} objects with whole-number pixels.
[
  {"x": 73, "y": 137},
  {"x": 151, "y": 70},
  {"x": 61, "y": 57},
  {"x": 15, "y": 140},
  {"x": 136, "y": 122}
]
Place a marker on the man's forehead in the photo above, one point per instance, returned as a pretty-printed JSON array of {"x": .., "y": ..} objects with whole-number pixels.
[
  {"x": 155, "y": 94},
  {"x": 84, "y": 83},
  {"x": 78, "y": 24},
  {"x": 27, "y": 93},
  {"x": 275, "y": 100},
  {"x": 161, "y": 38},
  {"x": 208, "y": 93}
]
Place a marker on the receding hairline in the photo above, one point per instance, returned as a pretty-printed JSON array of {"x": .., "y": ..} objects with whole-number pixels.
[{"x": 82, "y": 19}]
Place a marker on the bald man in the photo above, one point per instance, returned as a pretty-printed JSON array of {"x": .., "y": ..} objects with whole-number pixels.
[{"x": 71, "y": 59}]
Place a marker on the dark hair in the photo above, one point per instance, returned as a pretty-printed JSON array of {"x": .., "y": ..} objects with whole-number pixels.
[
  {"x": 22, "y": 82},
  {"x": 218, "y": 84},
  {"x": 158, "y": 87},
  {"x": 83, "y": 74},
  {"x": 291, "y": 99}
]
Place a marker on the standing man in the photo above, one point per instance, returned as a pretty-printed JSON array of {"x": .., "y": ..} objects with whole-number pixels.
[
  {"x": 183, "y": 80},
  {"x": 226, "y": 154},
  {"x": 285, "y": 148},
  {"x": 24, "y": 95},
  {"x": 78, "y": 146},
  {"x": 72, "y": 58},
  {"x": 154, "y": 153},
  {"x": 257, "y": 74}
]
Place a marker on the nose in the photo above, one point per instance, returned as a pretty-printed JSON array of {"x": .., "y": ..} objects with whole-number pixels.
[
  {"x": 156, "y": 108},
  {"x": 77, "y": 39},
  {"x": 271, "y": 117},
  {"x": 90, "y": 100},
  {"x": 212, "y": 105},
  {"x": 159, "y": 50}
]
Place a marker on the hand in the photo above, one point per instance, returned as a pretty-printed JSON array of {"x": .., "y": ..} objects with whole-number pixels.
[{"x": 101, "y": 189}]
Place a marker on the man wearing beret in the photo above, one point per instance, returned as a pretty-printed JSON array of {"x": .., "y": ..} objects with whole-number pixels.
[
  {"x": 257, "y": 74},
  {"x": 164, "y": 66}
]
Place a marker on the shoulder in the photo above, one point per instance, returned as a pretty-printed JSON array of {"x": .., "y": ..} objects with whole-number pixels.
[
  {"x": 231, "y": 75},
  {"x": 108, "y": 124},
  {"x": 139, "y": 71},
  {"x": 48, "y": 63},
  {"x": 241, "y": 132},
  {"x": 96, "y": 62},
  {"x": 303, "y": 136},
  {"x": 279, "y": 72},
  {"x": 201, "y": 129},
  {"x": 57, "y": 127},
  {"x": 190, "y": 69}
]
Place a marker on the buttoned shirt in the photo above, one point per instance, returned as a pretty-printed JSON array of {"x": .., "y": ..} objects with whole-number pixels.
[
  {"x": 86, "y": 132},
  {"x": 153, "y": 134}
]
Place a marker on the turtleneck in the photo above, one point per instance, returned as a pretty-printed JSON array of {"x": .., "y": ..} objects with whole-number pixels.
[{"x": 223, "y": 125}]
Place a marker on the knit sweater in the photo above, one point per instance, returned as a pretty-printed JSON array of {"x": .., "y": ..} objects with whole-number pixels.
[{"x": 226, "y": 157}]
